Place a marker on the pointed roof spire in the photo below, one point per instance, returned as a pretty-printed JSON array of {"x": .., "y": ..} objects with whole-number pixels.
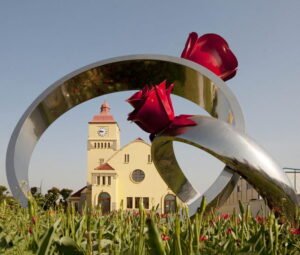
[
  {"x": 104, "y": 116},
  {"x": 105, "y": 107}
]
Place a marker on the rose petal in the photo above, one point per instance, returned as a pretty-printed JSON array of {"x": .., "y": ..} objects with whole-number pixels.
[
  {"x": 192, "y": 39},
  {"x": 212, "y": 52},
  {"x": 168, "y": 93},
  {"x": 136, "y": 99},
  {"x": 164, "y": 99},
  {"x": 182, "y": 121}
]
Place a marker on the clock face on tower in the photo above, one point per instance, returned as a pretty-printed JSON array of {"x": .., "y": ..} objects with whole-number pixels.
[{"x": 102, "y": 131}]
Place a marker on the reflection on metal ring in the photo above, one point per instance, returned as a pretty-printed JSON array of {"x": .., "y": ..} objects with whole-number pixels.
[
  {"x": 233, "y": 148},
  {"x": 192, "y": 82}
]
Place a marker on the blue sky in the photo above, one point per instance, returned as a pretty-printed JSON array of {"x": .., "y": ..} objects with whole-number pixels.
[{"x": 43, "y": 41}]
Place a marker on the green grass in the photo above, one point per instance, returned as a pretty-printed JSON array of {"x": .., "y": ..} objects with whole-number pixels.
[{"x": 35, "y": 231}]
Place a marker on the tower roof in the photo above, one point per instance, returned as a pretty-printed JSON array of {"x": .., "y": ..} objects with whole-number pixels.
[
  {"x": 104, "y": 116},
  {"x": 105, "y": 166}
]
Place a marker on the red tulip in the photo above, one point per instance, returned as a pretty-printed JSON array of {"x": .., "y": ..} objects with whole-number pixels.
[
  {"x": 212, "y": 52},
  {"x": 260, "y": 219},
  {"x": 225, "y": 216},
  {"x": 203, "y": 238},
  {"x": 154, "y": 110},
  {"x": 165, "y": 237},
  {"x": 33, "y": 220},
  {"x": 229, "y": 231},
  {"x": 295, "y": 231}
]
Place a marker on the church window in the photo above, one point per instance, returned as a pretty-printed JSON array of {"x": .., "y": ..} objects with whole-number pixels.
[
  {"x": 95, "y": 145},
  {"x": 149, "y": 159},
  {"x": 109, "y": 180},
  {"x": 108, "y": 145},
  {"x": 126, "y": 158},
  {"x": 101, "y": 145},
  {"x": 137, "y": 202},
  {"x": 169, "y": 203},
  {"x": 104, "y": 202},
  {"x": 146, "y": 202},
  {"x": 105, "y": 145},
  {"x": 129, "y": 202},
  {"x": 98, "y": 179},
  {"x": 238, "y": 188},
  {"x": 103, "y": 180},
  {"x": 138, "y": 175}
]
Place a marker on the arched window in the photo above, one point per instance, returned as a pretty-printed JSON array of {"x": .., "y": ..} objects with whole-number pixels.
[
  {"x": 169, "y": 203},
  {"x": 104, "y": 202}
]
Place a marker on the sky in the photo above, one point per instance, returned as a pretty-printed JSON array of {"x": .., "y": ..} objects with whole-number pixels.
[{"x": 43, "y": 41}]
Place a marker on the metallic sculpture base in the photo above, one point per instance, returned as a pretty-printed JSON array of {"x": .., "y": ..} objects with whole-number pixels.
[
  {"x": 233, "y": 148},
  {"x": 192, "y": 82}
]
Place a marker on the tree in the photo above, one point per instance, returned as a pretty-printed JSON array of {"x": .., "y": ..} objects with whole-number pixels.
[
  {"x": 65, "y": 193},
  {"x": 38, "y": 196},
  {"x": 33, "y": 191},
  {"x": 3, "y": 192},
  {"x": 5, "y": 196},
  {"x": 51, "y": 198}
]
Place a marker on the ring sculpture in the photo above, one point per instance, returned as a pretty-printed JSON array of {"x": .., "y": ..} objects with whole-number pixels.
[
  {"x": 192, "y": 82},
  {"x": 237, "y": 151}
]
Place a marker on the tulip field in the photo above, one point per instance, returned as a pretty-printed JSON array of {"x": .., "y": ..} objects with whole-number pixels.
[{"x": 63, "y": 231}]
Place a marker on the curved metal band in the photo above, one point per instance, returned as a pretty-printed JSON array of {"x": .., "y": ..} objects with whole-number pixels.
[
  {"x": 192, "y": 81},
  {"x": 237, "y": 151}
]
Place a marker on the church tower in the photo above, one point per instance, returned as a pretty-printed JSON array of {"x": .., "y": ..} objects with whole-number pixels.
[{"x": 103, "y": 139}]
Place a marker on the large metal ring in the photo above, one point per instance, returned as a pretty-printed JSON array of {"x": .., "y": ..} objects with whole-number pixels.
[
  {"x": 192, "y": 81},
  {"x": 233, "y": 148}
]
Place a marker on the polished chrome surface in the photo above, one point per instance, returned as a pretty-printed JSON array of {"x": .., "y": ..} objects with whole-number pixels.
[
  {"x": 237, "y": 151},
  {"x": 192, "y": 82}
]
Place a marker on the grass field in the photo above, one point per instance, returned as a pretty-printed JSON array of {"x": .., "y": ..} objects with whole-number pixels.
[{"x": 63, "y": 231}]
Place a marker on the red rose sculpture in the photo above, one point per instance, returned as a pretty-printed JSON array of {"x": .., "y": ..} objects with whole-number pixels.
[
  {"x": 212, "y": 52},
  {"x": 153, "y": 109}
]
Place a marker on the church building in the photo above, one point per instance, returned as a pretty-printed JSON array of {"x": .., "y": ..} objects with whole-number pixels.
[{"x": 120, "y": 176}]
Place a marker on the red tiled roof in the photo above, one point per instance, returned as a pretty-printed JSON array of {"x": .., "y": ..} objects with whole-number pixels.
[
  {"x": 77, "y": 193},
  {"x": 139, "y": 139},
  {"x": 105, "y": 166},
  {"x": 101, "y": 118},
  {"x": 104, "y": 116}
]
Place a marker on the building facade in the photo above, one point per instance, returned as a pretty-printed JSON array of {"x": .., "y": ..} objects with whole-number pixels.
[
  {"x": 247, "y": 195},
  {"x": 120, "y": 176}
]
